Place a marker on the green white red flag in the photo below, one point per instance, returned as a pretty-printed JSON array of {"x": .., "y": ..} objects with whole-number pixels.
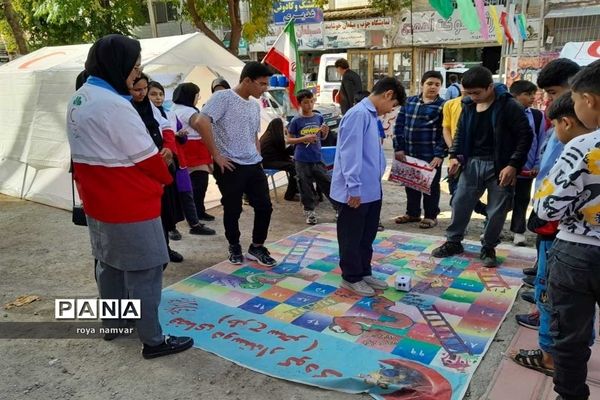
[{"x": 284, "y": 57}]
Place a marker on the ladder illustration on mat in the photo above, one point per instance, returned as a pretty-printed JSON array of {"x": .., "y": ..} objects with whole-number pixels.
[
  {"x": 492, "y": 280},
  {"x": 448, "y": 338},
  {"x": 298, "y": 252}
]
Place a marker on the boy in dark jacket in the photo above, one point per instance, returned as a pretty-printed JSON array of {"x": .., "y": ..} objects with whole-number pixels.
[{"x": 492, "y": 140}]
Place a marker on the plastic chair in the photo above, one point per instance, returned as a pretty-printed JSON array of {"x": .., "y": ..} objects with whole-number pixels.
[{"x": 270, "y": 173}]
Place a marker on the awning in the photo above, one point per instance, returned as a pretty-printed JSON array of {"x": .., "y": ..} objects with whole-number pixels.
[
  {"x": 583, "y": 53},
  {"x": 574, "y": 12}
]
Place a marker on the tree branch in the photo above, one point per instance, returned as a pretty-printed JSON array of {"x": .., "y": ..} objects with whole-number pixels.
[
  {"x": 199, "y": 23},
  {"x": 13, "y": 21}
]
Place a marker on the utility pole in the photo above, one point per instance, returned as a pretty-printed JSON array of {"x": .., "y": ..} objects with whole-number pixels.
[{"x": 152, "y": 18}]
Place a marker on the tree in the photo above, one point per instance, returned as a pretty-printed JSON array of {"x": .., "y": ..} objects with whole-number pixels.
[
  {"x": 12, "y": 20},
  {"x": 60, "y": 22}
]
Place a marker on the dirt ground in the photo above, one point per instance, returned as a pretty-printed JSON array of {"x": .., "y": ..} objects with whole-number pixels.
[{"x": 42, "y": 253}]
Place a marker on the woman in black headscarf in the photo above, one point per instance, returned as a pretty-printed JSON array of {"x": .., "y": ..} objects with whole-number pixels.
[
  {"x": 119, "y": 175},
  {"x": 276, "y": 155},
  {"x": 164, "y": 139}
]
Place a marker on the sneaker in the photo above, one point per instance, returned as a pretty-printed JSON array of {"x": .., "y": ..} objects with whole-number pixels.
[
  {"x": 202, "y": 229},
  {"x": 488, "y": 256},
  {"x": 530, "y": 271},
  {"x": 528, "y": 296},
  {"x": 174, "y": 235},
  {"x": 175, "y": 256},
  {"x": 519, "y": 239},
  {"x": 235, "y": 254},
  {"x": 531, "y": 321},
  {"x": 261, "y": 255},
  {"x": 337, "y": 215},
  {"x": 448, "y": 249},
  {"x": 206, "y": 217},
  {"x": 172, "y": 345},
  {"x": 311, "y": 217},
  {"x": 375, "y": 283},
  {"x": 360, "y": 288},
  {"x": 529, "y": 281},
  {"x": 380, "y": 227}
]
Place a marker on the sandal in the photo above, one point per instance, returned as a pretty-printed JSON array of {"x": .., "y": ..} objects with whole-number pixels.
[
  {"x": 532, "y": 359},
  {"x": 404, "y": 219},
  {"x": 428, "y": 223}
]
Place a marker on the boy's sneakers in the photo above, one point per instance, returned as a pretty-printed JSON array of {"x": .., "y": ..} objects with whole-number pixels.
[
  {"x": 448, "y": 249},
  {"x": 361, "y": 288},
  {"x": 175, "y": 234},
  {"x": 235, "y": 254},
  {"x": 531, "y": 321},
  {"x": 530, "y": 271},
  {"x": 380, "y": 227},
  {"x": 529, "y": 281},
  {"x": 375, "y": 283},
  {"x": 528, "y": 296},
  {"x": 261, "y": 255},
  {"x": 311, "y": 217},
  {"x": 206, "y": 217},
  {"x": 171, "y": 345},
  {"x": 488, "y": 256},
  {"x": 202, "y": 229},
  {"x": 519, "y": 239}
]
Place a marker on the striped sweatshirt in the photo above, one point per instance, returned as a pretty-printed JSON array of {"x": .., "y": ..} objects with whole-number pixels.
[{"x": 570, "y": 193}]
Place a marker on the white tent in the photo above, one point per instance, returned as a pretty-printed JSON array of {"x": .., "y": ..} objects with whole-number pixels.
[
  {"x": 583, "y": 53},
  {"x": 35, "y": 89}
]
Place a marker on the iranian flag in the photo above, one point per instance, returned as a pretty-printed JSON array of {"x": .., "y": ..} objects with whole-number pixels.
[{"x": 283, "y": 56}]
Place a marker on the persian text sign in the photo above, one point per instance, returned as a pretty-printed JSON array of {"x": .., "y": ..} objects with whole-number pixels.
[
  {"x": 308, "y": 36},
  {"x": 430, "y": 28},
  {"x": 352, "y": 33},
  {"x": 301, "y": 11}
]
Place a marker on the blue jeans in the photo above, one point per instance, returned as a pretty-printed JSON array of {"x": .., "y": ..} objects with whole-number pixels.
[
  {"x": 541, "y": 296},
  {"x": 479, "y": 174}
]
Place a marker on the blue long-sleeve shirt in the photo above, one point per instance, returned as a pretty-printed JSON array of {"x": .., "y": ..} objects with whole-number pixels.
[
  {"x": 418, "y": 130},
  {"x": 539, "y": 137},
  {"x": 359, "y": 160}
]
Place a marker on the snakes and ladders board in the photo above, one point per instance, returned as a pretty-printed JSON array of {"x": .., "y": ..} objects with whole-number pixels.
[{"x": 294, "y": 322}]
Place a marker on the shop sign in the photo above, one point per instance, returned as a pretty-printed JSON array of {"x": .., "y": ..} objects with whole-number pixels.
[
  {"x": 352, "y": 33},
  {"x": 301, "y": 11}
]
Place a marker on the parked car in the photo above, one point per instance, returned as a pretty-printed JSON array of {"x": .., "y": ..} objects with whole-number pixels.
[{"x": 276, "y": 102}]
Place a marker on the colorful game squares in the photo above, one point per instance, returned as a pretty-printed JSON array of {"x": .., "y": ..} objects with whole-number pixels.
[
  {"x": 292, "y": 283},
  {"x": 319, "y": 289},
  {"x": 416, "y": 350},
  {"x": 278, "y": 294},
  {"x": 285, "y": 312},
  {"x": 302, "y": 300},
  {"x": 322, "y": 265},
  {"x": 234, "y": 298},
  {"x": 258, "y": 305},
  {"x": 313, "y": 321}
]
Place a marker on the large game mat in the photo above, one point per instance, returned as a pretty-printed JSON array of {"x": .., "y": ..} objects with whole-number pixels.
[{"x": 294, "y": 321}]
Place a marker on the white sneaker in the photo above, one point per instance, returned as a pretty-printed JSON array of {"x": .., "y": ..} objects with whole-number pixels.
[
  {"x": 519, "y": 239},
  {"x": 360, "y": 288},
  {"x": 375, "y": 283},
  {"x": 311, "y": 217}
]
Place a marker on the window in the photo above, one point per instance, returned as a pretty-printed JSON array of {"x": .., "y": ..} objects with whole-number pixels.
[
  {"x": 165, "y": 12},
  {"x": 331, "y": 74}
]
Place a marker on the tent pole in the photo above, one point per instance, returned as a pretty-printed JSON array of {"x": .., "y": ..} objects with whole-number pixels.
[{"x": 24, "y": 180}]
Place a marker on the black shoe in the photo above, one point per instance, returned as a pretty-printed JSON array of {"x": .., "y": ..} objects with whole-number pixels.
[
  {"x": 175, "y": 256},
  {"x": 261, "y": 255},
  {"x": 488, "y": 256},
  {"x": 448, "y": 249},
  {"x": 529, "y": 281},
  {"x": 172, "y": 345},
  {"x": 175, "y": 234},
  {"x": 528, "y": 296},
  {"x": 235, "y": 254},
  {"x": 294, "y": 197},
  {"x": 202, "y": 229},
  {"x": 205, "y": 217},
  {"x": 530, "y": 271}
]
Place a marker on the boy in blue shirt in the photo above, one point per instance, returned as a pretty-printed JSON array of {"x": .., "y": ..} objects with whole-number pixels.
[
  {"x": 356, "y": 184},
  {"x": 524, "y": 92},
  {"x": 306, "y": 132}
]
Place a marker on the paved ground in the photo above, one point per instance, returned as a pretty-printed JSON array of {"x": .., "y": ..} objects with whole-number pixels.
[{"x": 42, "y": 253}]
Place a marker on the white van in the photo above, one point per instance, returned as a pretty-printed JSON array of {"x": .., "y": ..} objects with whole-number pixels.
[{"x": 328, "y": 80}]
